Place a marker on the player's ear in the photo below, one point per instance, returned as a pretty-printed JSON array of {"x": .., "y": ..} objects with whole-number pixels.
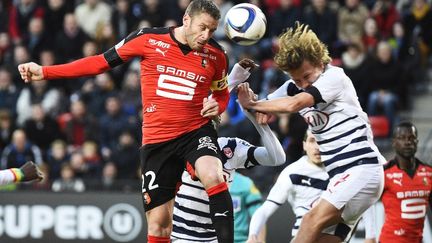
[{"x": 186, "y": 20}]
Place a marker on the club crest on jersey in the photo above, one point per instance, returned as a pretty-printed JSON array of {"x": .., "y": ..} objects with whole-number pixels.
[
  {"x": 316, "y": 119},
  {"x": 206, "y": 142},
  {"x": 146, "y": 198},
  {"x": 204, "y": 63},
  {"x": 228, "y": 152},
  {"x": 425, "y": 181}
]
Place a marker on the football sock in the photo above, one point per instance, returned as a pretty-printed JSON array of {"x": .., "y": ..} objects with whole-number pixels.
[
  {"x": 221, "y": 212},
  {"x": 157, "y": 239}
]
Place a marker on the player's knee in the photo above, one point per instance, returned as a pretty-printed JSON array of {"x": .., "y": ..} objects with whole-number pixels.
[
  {"x": 159, "y": 229},
  {"x": 210, "y": 178}
]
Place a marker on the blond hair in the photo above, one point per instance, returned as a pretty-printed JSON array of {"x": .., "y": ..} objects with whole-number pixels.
[{"x": 299, "y": 44}]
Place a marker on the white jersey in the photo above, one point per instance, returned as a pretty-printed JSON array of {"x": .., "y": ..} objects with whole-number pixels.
[
  {"x": 191, "y": 221},
  {"x": 338, "y": 122},
  {"x": 300, "y": 184}
]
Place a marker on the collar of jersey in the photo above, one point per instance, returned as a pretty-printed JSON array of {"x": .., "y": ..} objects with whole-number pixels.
[{"x": 184, "y": 48}]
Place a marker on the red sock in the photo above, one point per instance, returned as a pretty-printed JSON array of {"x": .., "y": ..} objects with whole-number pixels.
[{"x": 157, "y": 239}]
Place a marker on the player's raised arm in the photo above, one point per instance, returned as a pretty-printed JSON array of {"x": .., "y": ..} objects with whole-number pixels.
[
  {"x": 212, "y": 106},
  {"x": 277, "y": 196},
  {"x": 272, "y": 154},
  {"x": 88, "y": 66},
  {"x": 287, "y": 104}
]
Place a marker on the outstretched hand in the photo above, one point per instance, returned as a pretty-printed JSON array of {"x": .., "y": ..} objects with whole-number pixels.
[
  {"x": 210, "y": 108},
  {"x": 245, "y": 95},
  {"x": 30, "y": 72},
  {"x": 31, "y": 172},
  {"x": 248, "y": 64}
]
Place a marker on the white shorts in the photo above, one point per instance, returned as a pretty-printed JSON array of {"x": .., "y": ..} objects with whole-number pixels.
[
  {"x": 356, "y": 190},
  {"x": 176, "y": 240}
]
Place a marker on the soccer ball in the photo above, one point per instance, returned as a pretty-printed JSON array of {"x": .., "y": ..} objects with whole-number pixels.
[{"x": 245, "y": 24}]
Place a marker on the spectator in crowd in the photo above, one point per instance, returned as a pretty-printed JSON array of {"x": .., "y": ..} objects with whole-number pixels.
[
  {"x": 95, "y": 93},
  {"x": 37, "y": 93},
  {"x": 417, "y": 26},
  {"x": 21, "y": 12},
  {"x": 70, "y": 40},
  {"x": 356, "y": 64},
  {"x": 385, "y": 79},
  {"x": 92, "y": 13},
  {"x": 7, "y": 127},
  {"x": 284, "y": 17},
  {"x": 81, "y": 126},
  {"x": 36, "y": 39},
  {"x": 55, "y": 12},
  {"x": 57, "y": 155},
  {"x": 8, "y": 91},
  {"x": 92, "y": 159},
  {"x": 371, "y": 35},
  {"x": 42, "y": 130},
  {"x": 105, "y": 37},
  {"x": 68, "y": 182},
  {"x": 5, "y": 48},
  {"x": 123, "y": 19},
  {"x": 19, "y": 151},
  {"x": 109, "y": 178},
  {"x": 20, "y": 53},
  {"x": 125, "y": 156},
  {"x": 78, "y": 164},
  {"x": 153, "y": 11},
  {"x": 351, "y": 20},
  {"x": 322, "y": 20},
  {"x": 385, "y": 14},
  {"x": 112, "y": 124},
  {"x": 130, "y": 93}
]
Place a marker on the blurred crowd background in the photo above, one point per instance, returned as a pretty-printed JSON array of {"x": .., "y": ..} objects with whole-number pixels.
[{"x": 85, "y": 133}]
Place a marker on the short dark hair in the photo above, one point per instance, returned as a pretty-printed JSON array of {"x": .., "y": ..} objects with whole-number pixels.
[
  {"x": 404, "y": 124},
  {"x": 203, "y": 6}
]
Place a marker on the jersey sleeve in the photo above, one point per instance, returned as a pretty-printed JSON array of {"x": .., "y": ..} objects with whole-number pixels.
[
  {"x": 131, "y": 46},
  {"x": 272, "y": 154},
  {"x": 253, "y": 199},
  {"x": 219, "y": 85},
  {"x": 280, "y": 190},
  {"x": 327, "y": 87}
]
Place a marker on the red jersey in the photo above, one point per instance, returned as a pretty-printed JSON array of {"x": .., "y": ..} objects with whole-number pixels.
[
  {"x": 174, "y": 80},
  {"x": 405, "y": 201}
]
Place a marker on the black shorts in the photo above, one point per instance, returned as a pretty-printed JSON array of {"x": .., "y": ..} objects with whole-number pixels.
[{"x": 162, "y": 164}]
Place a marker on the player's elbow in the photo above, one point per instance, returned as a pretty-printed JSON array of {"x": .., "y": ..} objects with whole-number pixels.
[{"x": 280, "y": 159}]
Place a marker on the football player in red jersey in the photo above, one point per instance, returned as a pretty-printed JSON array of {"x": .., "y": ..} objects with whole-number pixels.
[
  {"x": 179, "y": 67},
  {"x": 407, "y": 189}
]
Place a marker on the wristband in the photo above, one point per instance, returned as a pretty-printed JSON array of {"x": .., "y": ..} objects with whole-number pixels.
[{"x": 18, "y": 174}]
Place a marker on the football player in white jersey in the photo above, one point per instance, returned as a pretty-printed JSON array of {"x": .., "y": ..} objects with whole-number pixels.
[
  {"x": 325, "y": 96},
  {"x": 192, "y": 221},
  {"x": 301, "y": 184}
]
